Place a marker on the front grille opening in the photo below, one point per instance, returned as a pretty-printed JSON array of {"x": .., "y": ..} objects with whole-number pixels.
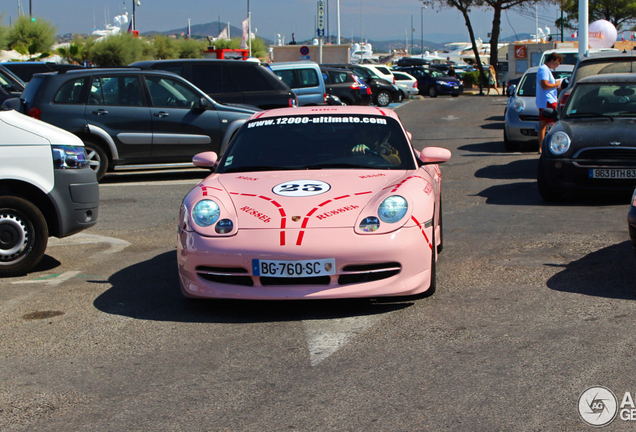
[
  {"x": 225, "y": 275},
  {"x": 369, "y": 272},
  {"x": 316, "y": 280},
  {"x": 371, "y": 267}
]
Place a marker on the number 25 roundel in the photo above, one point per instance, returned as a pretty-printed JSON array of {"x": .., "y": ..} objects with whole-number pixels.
[{"x": 301, "y": 188}]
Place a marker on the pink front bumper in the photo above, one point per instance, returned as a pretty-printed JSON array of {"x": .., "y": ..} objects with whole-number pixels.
[{"x": 408, "y": 247}]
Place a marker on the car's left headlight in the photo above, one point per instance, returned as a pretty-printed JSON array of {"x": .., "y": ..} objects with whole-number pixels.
[
  {"x": 69, "y": 157},
  {"x": 393, "y": 209},
  {"x": 205, "y": 213},
  {"x": 443, "y": 83},
  {"x": 518, "y": 105},
  {"x": 559, "y": 143}
]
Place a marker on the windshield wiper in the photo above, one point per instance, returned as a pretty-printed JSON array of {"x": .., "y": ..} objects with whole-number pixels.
[
  {"x": 590, "y": 115},
  {"x": 334, "y": 165},
  {"x": 257, "y": 168}
]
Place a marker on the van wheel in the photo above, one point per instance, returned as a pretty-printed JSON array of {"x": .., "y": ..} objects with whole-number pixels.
[
  {"x": 23, "y": 236},
  {"x": 98, "y": 159},
  {"x": 383, "y": 98}
]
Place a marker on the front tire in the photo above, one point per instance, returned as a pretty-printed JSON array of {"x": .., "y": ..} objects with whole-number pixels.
[
  {"x": 432, "y": 91},
  {"x": 383, "y": 98},
  {"x": 98, "y": 159},
  {"x": 24, "y": 235}
]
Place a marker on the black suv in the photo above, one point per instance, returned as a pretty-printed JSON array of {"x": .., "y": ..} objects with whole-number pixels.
[
  {"x": 346, "y": 85},
  {"x": 383, "y": 92},
  {"x": 130, "y": 117},
  {"x": 230, "y": 81},
  {"x": 25, "y": 70}
]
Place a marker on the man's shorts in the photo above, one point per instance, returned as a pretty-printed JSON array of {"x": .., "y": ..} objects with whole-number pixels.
[{"x": 552, "y": 105}]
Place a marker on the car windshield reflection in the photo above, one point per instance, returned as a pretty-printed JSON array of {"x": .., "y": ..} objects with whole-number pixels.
[
  {"x": 317, "y": 142},
  {"x": 602, "y": 100}
]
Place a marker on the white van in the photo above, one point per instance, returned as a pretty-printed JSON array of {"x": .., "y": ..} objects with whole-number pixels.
[
  {"x": 47, "y": 188},
  {"x": 305, "y": 79}
]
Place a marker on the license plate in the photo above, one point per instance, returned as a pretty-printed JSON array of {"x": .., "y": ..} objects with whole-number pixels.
[
  {"x": 319, "y": 267},
  {"x": 613, "y": 173},
  {"x": 456, "y": 87}
]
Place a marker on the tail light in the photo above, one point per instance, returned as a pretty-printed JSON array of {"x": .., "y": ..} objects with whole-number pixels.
[
  {"x": 415, "y": 84},
  {"x": 564, "y": 99},
  {"x": 355, "y": 85},
  {"x": 394, "y": 80},
  {"x": 35, "y": 113},
  {"x": 324, "y": 97},
  {"x": 369, "y": 90}
]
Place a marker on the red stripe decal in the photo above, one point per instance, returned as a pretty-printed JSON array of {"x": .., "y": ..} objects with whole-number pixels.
[
  {"x": 422, "y": 230},
  {"x": 341, "y": 197},
  {"x": 300, "y": 238},
  {"x": 363, "y": 193},
  {"x": 249, "y": 195},
  {"x": 326, "y": 202},
  {"x": 282, "y": 212},
  {"x": 305, "y": 221},
  {"x": 282, "y": 238}
]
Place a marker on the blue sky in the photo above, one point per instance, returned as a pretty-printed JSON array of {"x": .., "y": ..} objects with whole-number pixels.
[{"x": 374, "y": 19}]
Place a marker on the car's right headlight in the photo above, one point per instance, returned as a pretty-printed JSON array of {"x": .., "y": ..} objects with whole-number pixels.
[
  {"x": 205, "y": 213},
  {"x": 559, "y": 143},
  {"x": 518, "y": 105},
  {"x": 69, "y": 157}
]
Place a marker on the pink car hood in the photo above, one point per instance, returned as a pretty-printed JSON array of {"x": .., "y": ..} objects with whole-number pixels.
[{"x": 307, "y": 199}]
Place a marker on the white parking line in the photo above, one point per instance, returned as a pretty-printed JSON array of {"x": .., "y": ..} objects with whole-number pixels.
[{"x": 326, "y": 337}]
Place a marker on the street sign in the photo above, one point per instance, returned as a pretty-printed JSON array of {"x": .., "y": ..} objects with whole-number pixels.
[
  {"x": 321, "y": 17},
  {"x": 321, "y": 33},
  {"x": 304, "y": 50}
]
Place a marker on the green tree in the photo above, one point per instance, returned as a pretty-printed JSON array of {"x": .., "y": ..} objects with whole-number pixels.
[
  {"x": 190, "y": 48},
  {"x": 165, "y": 48},
  {"x": 75, "y": 53},
  {"x": 621, "y": 13},
  {"x": 31, "y": 37},
  {"x": 464, "y": 6},
  {"x": 119, "y": 50}
]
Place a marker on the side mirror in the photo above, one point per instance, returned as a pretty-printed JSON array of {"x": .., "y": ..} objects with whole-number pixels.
[
  {"x": 512, "y": 89},
  {"x": 204, "y": 104},
  {"x": 434, "y": 155},
  {"x": 565, "y": 83},
  {"x": 205, "y": 159},
  {"x": 549, "y": 113}
]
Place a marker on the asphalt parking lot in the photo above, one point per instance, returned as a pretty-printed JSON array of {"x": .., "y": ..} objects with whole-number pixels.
[{"x": 534, "y": 305}]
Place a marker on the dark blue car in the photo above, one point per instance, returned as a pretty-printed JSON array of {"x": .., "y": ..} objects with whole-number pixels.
[{"x": 433, "y": 82}]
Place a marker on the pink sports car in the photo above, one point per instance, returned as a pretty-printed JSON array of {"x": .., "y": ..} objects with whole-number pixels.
[{"x": 314, "y": 203}]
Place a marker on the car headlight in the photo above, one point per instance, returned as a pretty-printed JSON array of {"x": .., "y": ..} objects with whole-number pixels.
[
  {"x": 392, "y": 209},
  {"x": 559, "y": 143},
  {"x": 69, "y": 157},
  {"x": 205, "y": 213},
  {"x": 518, "y": 105},
  {"x": 443, "y": 83}
]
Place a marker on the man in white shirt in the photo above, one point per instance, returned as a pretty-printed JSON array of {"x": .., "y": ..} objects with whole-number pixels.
[{"x": 547, "y": 91}]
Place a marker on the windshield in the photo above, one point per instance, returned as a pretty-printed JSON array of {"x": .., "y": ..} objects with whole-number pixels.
[
  {"x": 319, "y": 142},
  {"x": 602, "y": 99},
  {"x": 528, "y": 85}
]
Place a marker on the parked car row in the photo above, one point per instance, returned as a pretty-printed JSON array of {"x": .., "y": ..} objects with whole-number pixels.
[{"x": 163, "y": 112}]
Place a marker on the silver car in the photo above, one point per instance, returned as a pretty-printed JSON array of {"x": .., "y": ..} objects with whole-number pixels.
[{"x": 522, "y": 114}]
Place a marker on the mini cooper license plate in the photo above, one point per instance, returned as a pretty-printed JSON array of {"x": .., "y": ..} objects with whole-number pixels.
[
  {"x": 613, "y": 173},
  {"x": 320, "y": 267}
]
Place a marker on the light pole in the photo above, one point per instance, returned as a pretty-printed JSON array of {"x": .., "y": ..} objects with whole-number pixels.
[
  {"x": 134, "y": 21},
  {"x": 422, "y": 32},
  {"x": 249, "y": 28}
]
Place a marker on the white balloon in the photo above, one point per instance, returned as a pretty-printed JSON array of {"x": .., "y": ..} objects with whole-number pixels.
[{"x": 602, "y": 34}]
